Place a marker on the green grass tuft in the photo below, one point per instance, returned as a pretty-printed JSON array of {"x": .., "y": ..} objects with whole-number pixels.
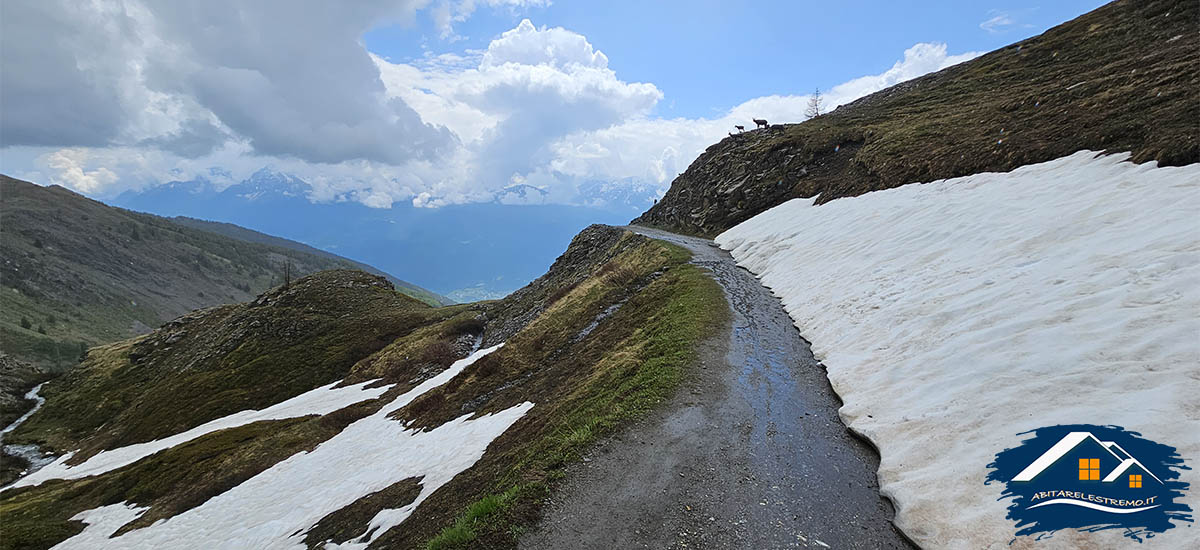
[{"x": 480, "y": 512}]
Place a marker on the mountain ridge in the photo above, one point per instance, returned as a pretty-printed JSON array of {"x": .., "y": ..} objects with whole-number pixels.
[
  {"x": 1120, "y": 78},
  {"x": 77, "y": 272}
]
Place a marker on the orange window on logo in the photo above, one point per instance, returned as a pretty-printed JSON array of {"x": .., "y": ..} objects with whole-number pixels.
[
  {"x": 1135, "y": 481},
  {"x": 1089, "y": 469}
]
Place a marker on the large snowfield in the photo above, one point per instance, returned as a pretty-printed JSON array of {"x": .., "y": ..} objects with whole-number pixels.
[
  {"x": 274, "y": 508},
  {"x": 955, "y": 314}
]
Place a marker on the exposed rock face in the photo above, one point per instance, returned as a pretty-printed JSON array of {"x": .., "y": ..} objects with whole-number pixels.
[
  {"x": 730, "y": 182},
  {"x": 1121, "y": 78}
]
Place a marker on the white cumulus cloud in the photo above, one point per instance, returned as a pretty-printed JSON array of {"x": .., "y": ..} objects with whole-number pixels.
[{"x": 530, "y": 88}]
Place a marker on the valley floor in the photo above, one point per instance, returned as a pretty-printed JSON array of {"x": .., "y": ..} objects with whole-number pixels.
[{"x": 750, "y": 453}]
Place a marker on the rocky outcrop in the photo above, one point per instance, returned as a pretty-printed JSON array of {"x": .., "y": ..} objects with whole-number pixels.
[{"x": 1121, "y": 78}]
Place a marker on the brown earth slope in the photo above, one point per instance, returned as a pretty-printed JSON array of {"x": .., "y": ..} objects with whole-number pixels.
[{"x": 1125, "y": 77}]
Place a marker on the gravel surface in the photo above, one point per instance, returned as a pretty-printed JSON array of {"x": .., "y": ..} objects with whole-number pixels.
[{"x": 749, "y": 453}]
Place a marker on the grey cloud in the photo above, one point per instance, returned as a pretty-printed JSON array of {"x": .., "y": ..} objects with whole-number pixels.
[
  {"x": 293, "y": 78},
  {"x": 194, "y": 139},
  {"x": 61, "y": 86},
  {"x": 290, "y": 78}
]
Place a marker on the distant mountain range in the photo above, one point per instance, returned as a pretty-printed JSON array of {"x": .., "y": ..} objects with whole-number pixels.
[{"x": 466, "y": 252}]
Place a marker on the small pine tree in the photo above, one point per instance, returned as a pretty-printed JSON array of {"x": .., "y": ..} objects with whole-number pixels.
[
  {"x": 25, "y": 324},
  {"x": 814, "y": 105}
]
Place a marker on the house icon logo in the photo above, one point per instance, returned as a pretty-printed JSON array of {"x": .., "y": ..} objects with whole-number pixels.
[{"x": 1091, "y": 478}]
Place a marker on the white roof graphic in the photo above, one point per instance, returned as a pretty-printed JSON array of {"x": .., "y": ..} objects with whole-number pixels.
[{"x": 1072, "y": 440}]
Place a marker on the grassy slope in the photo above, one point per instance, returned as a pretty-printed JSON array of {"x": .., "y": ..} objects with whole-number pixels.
[
  {"x": 1125, "y": 77},
  {"x": 230, "y": 358},
  {"x": 221, "y": 360},
  {"x": 83, "y": 273},
  {"x": 642, "y": 371},
  {"x": 583, "y": 386}
]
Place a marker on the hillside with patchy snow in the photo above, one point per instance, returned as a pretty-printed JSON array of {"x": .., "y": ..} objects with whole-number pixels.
[
  {"x": 276, "y": 508},
  {"x": 336, "y": 412},
  {"x": 956, "y": 314}
]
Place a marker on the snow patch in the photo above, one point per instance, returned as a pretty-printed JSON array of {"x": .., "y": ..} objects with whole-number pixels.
[
  {"x": 322, "y": 400},
  {"x": 31, "y": 453},
  {"x": 274, "y": 509},
  {"x": 38, "y": 401},
  {"x": 955, "y": 314}
]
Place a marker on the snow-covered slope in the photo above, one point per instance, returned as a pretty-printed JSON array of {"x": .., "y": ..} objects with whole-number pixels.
[
  {"x": 277, "y": 507},
  {"x": 955, "y": 314},
  {"x": 322, "y": 400}
]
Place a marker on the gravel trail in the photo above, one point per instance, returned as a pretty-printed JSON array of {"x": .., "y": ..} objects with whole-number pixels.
[{"x": 750, "y": 452}]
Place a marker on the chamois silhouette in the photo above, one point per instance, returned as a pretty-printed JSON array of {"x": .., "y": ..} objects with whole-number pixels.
[
  {"x": 740, "y": 128},
  {"x": 760, "y": 123}
]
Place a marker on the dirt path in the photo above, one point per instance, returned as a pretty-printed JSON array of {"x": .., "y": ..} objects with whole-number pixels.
[{"x": 750, "y": 453}]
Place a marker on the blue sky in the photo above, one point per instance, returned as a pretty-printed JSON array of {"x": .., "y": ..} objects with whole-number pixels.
[{"x": 709, "y": 55}]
